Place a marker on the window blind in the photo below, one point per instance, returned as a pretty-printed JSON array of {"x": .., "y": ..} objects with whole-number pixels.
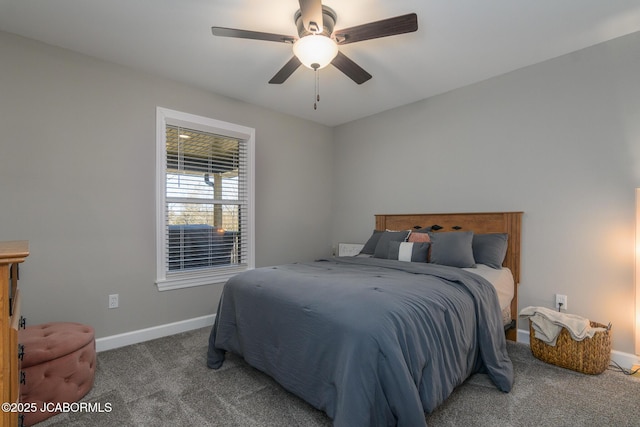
[{"x": 206, "y": 200}]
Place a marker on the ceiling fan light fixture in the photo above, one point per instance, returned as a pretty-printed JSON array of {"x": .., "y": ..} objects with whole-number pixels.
[{"x": 315, "y": 51}]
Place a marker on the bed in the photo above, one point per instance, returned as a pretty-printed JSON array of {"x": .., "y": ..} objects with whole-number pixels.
[{"x": 369, "y": 340}]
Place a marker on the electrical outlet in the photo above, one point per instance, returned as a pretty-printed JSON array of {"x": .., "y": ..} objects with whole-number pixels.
[
  {"x": 113, "y": 301},
  {"x": 561, "y": 299}
]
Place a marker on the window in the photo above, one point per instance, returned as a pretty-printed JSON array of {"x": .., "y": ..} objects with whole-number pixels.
[{"x": 204, "y": 193}]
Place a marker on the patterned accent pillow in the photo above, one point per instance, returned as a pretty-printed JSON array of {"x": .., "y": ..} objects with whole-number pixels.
[
  {"x": 419, "y": 237},
  {"x": 409, "y": 251}
]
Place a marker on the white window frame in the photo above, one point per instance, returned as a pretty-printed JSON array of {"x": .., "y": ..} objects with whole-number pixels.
[{"x": 176, "y": 280}]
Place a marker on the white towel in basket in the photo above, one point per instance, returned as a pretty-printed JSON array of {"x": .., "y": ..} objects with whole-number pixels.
[{"x": 547, "y": 324}]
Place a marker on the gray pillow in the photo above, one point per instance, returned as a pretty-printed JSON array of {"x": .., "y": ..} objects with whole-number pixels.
[
  {"x": 370, "y": 247},
  {"x": 453, "y": 248},
  {"x": 409, "y": 251},
  {"x": 490, "y": 249},
  {"x": 382, "y": 248}
]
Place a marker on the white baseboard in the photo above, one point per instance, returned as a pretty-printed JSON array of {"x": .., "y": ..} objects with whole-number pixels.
[
  {"x": 625, "y": 360},
  {"x": 142, "y": 335}
]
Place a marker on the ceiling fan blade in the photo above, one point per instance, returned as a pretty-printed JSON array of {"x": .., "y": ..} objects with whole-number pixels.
[
  {"x": 374, "y": 30},
  {"x": 255, "y": 35},
  {"x": 311, "y": 11},
  {"x": 350, "y": 68},
  {"x": 286, "y": 71}
]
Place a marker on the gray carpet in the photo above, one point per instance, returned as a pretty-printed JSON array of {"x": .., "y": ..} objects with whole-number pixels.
[{"x": 165, "y": 382}]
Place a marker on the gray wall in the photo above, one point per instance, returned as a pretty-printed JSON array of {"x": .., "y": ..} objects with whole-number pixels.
[
  {"x": 558, "y": 140},
  {"x": 77, "y": 173}
]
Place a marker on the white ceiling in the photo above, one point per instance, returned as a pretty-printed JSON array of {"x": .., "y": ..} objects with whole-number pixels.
[{"x": 458, "y": 42}]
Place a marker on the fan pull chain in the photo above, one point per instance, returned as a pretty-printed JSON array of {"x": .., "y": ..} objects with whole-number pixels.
[{"x": 317, "y": 87}]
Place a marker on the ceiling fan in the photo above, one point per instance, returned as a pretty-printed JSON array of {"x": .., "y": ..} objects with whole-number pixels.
[{"x": 317, "y": 43}]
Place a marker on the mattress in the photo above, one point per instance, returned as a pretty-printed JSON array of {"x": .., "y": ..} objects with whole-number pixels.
[{"x": 502, "y": 281}]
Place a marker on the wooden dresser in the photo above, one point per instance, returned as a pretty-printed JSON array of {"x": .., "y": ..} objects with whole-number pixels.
[{"x": 11, "y": 254}]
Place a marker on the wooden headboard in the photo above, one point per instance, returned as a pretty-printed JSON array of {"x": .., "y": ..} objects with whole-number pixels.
[{"x": 483, "y": 222}]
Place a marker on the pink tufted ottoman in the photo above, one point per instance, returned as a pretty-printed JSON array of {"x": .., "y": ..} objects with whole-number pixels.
[{"x": 59, "y": 365}]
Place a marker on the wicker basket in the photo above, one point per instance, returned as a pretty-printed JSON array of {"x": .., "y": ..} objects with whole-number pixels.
[{"x": 589, "y": 356}]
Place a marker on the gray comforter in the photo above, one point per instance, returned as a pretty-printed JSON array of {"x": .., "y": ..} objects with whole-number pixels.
[{"x": 371, "y": 342}]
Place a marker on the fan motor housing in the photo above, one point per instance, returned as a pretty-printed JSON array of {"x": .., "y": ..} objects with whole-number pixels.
[{"x": 329, "y": 18}]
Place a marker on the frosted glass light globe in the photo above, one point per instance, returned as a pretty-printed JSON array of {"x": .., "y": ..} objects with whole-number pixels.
[{"x": 315, "y": 51}]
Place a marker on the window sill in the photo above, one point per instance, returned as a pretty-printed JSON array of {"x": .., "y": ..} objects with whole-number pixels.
[{"x": 198, "y": 278}]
